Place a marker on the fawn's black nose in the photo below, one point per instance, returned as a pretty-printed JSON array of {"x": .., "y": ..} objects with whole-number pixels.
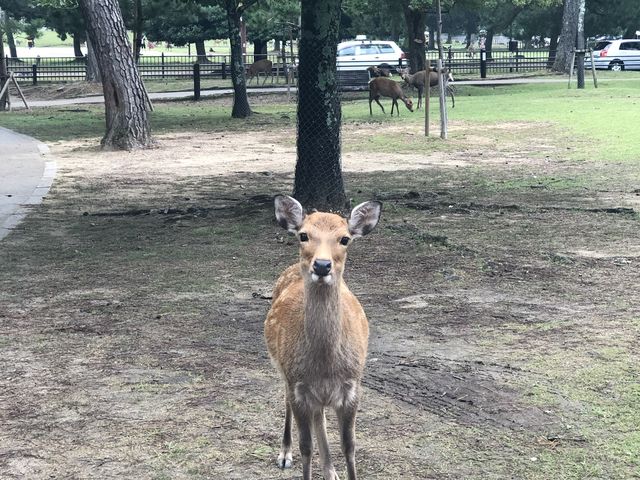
[{"x": 322, "y": 267}]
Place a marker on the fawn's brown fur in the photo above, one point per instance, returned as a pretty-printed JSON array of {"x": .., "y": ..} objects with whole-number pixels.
[
  {"x": 260, "y": 66},
  {"x": 387, "y": 88},
  {"x": 317, "y": 332}
]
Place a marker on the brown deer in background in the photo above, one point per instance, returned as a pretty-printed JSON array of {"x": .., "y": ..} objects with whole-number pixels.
[
  {"x": 381, "y": 86},
  {"x": 419, "y": 80},
  {"x": 317, "y": 332},
  {"x": 261, "y": 66}
]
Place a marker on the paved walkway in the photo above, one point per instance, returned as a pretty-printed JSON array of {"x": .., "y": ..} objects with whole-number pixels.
[
  {"x": 26, "y": 174},
  {"x": 229, "y": 91}
]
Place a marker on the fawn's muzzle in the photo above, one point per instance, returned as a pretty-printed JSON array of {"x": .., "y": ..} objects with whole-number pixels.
[{"x": 322, "y": 267}]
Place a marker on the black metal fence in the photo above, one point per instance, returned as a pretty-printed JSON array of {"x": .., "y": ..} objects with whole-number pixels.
[
  {"x": 68, "y": 69},
  {"x": 172, "y": 67},
  {"x": 498, "y": 61}
]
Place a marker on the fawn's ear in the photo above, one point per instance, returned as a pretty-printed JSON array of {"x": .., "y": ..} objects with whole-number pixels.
[
  {"x": 364, "y": 218},
  {"x": 289, "y": 213}
]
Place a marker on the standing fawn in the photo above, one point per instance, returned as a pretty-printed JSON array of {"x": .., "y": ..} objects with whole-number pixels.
[
  {"x": 419, "y": 80},
  {"x": 261, "y": 66},
  {"x": 387, "y": 88},
  {"x": 317, "y": 333}
]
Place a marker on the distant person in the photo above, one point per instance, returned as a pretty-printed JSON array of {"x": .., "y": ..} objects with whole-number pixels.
[
  {"x": 144, "y": 42},
  {"x": 31, "y": 42}
]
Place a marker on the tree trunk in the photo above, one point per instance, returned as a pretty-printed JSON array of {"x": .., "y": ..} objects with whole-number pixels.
[
  {"x": 93, "y": 69},
  {"x": 3, "y": 72},
  {"x": 415, "y": 19},
  {"x": 553, "y": 43},
  {"x": 568, "y": 36},
  {"x": 318, "y": 179},
  {"x": 431, "y": 20},
  {"x": 201, "y": 51},
  {"x": 124, "y": 95},
  {"x": 13, "y": 51},
  {"x": 259, "y": 50},
  {"x": 77, "y": 50},
  {"x": 488, "y": 43},
  {"x": 137, "y": 30},
  {"x": 241, "y": 108}
]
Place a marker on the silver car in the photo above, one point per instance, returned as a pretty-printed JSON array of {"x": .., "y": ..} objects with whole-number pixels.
[{"x": 616, "y": 55}]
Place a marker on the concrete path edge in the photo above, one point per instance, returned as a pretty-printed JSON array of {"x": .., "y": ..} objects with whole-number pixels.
[{"x": 39, "y": 192}]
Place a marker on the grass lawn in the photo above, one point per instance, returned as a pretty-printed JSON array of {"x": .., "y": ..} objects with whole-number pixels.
[{"x": 501, "y": 288}]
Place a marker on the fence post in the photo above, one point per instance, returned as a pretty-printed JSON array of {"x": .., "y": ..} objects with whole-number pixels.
[
  {"x": 517, "y": 59},
  {"x": 196, "y": 81},
  {"x": 483, "y": 63},
  {"x": 162, "y": 60},
  {"x": 224, "y": 70},
  {"x": 34, "y": 70}
]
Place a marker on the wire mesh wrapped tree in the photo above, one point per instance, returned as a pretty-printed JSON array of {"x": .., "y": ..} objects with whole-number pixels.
[{"x": 318, "y": 178}]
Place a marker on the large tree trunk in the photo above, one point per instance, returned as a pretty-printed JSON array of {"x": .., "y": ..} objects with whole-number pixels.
[
  {"x": 77, "y": 50},
  {"x": 568, "y": 36},
  {"x": 137, "y": 30},
  {"x": 259, "y": 50},
  {"x": 93, "y": 69},
  {"x": 241, "y": 108},
  {"x": 13, "y": 51},
  {"x": 124, "y": 95},
  {"x": 318, "y": 179},
  {"x": 416, "y": 21}
]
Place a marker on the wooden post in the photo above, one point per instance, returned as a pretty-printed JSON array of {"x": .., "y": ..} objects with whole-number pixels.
[
  {"x": 593, "y": 69},
  {"x": 34, "y": 70},
  {"x": 196, "y": 81},
  {"x": 427, "y": 95},
  {"x": 443, "y": 102},
  {"x": 443, "y": 91},
  {"x": 573, "y": 61}
]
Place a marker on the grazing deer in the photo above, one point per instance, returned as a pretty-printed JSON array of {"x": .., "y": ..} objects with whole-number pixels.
[
  {"x": 387, "y": 88},
  {"x": 419, "y": 80},
  {"x": 317, "y": 333},
  {"x": 379, "y": 71},
  {"x": 261, "y": 66}
]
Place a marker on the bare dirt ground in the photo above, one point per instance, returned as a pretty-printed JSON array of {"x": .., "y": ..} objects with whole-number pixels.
[{"x": 501, "y": 288}]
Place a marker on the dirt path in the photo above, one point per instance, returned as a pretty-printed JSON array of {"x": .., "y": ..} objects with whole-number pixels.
[{"x": 501, "y": 292}]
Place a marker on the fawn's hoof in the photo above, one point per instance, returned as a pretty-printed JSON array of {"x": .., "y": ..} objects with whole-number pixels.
[{"x": 285, "y": 460}]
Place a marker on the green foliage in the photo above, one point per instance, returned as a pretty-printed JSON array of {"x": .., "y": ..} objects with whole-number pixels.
[{"x": 184, "y": 21}]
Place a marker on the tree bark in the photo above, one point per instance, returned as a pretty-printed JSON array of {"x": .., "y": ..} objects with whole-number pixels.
[
  {"x": 13, "y": 51},
  {"x": 124, "y": 95},
  {"x": 416, "y": 21},
  {"x": 318, "y": 178},
  {"x": 201, "y": 51},
  {"x": 259, "y": 50},
  {"x": 77, "y": 50},
  {"x": 241, "y": 108},
  {"x": 137, "y": 30},
  {"x": 3, "y": 71},
  {"x": 488, "y": 43},
  {"x": 93, "y": 69},
  {"x": 553, "y": 43},
  {"x": 568, "y": 36}
]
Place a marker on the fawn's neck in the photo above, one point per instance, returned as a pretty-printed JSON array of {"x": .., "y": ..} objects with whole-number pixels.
[{"x": 322, "y": 315}]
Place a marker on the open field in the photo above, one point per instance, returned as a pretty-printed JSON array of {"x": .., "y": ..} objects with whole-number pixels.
[{"x": 501, "y": 288}]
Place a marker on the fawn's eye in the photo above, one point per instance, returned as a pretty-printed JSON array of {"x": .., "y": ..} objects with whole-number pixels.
[
  {"x": 304, "y": 237},
  {"x": 344, "y": 241}
]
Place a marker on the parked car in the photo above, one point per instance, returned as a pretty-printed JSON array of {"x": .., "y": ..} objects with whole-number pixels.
[
  {"x": 615, "y": 55},
  {"x": 361, "y": 54}
]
